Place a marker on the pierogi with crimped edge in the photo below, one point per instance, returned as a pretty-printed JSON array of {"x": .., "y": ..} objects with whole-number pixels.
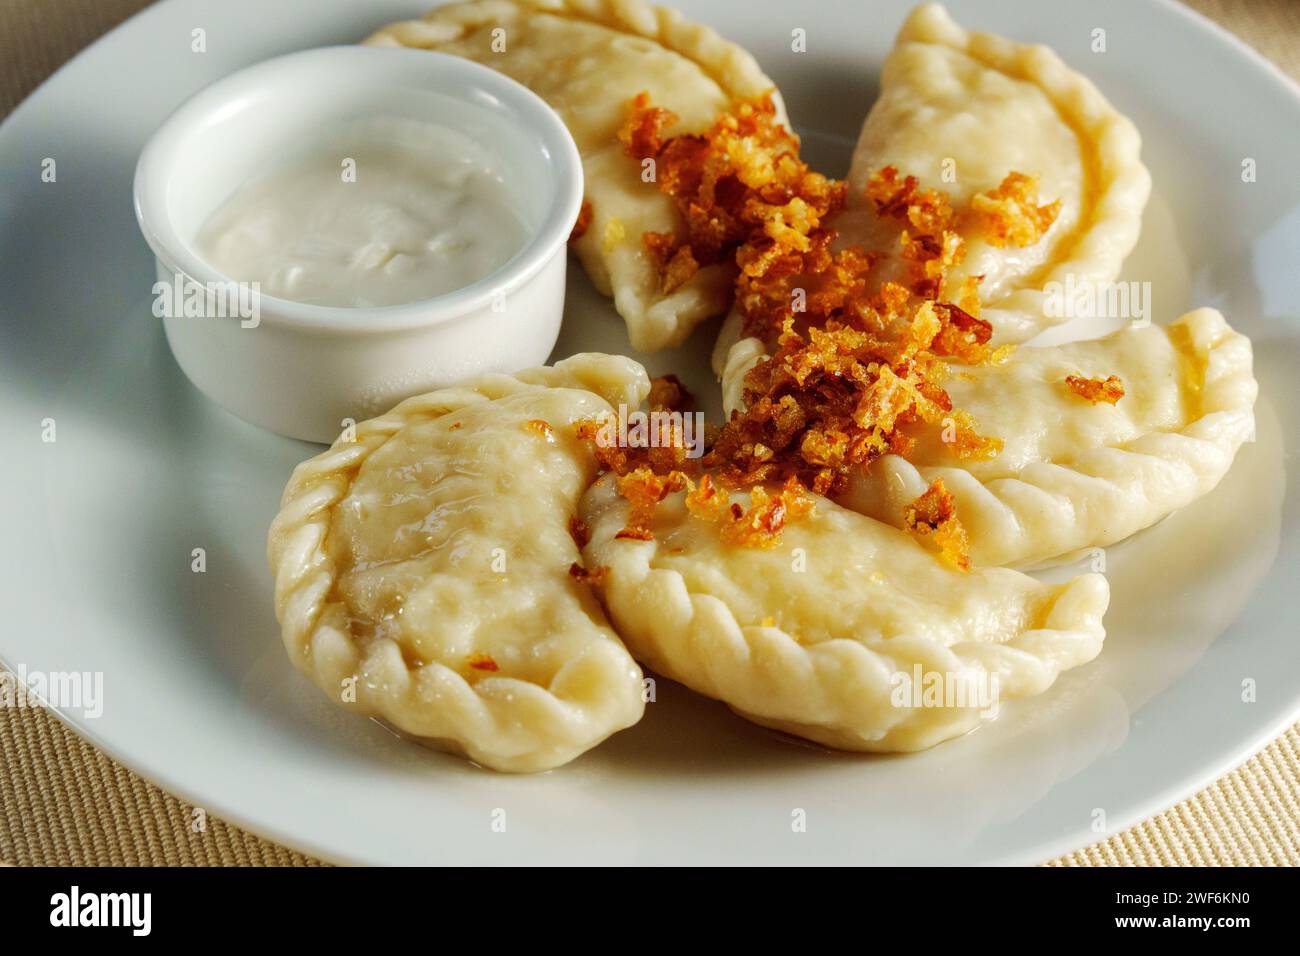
[
  {"x": 1071, "y": 473},
  {"x": 821, "y": 635},
  {"x": 422, "y": 568},
  {"x": 960, "y": 111},
  {"x": 589, "y": 59}
]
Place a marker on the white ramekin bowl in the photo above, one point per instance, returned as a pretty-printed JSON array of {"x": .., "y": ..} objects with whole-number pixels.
[{"x": 305, "y": 370}]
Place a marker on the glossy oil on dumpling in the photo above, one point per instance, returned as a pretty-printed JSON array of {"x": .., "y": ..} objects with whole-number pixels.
[
  {"x": 961, "y": 110},
  {"x": 588, "y": 59},
  {"x": 817, "y": 635},
  {"x": 1072, "y": 474},
  {"x": 422, "y": 569}
]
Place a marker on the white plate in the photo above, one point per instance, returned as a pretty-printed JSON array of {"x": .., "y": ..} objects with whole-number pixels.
[{"x": 199, "y": 697}]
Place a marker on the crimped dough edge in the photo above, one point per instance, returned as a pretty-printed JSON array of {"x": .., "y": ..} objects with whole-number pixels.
[
  {"x": 767, "y": 676},
  {"x": 1115, "y": 219},
  {"x": 1134, "y": 484},
  {"x": 501, "y": 722}
]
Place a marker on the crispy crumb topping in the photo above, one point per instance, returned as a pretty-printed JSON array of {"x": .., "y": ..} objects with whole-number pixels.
[
  {"x": 740, "y": 180},
  {"x": 934, "y": 515},
  {"x": 644, "y": 489},
  {"x": 667, "y": 392},
  {"x": 540, "y": 428},
  {"x": 758, "y": 526},
  {"x": 1010, "y": 214},
  {"x": 1096, "y": 390},
  {"x": 856, "y": 364}
]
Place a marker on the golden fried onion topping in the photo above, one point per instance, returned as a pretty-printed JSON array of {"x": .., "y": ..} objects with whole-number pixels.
[{"x": 856, "y": 366}]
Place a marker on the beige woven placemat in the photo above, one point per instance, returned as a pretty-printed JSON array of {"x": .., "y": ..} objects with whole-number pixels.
[{"x": 64, "y": 802}]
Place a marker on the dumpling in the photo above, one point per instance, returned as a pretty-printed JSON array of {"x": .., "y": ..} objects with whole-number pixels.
[
  {"x": 1073, "y": 474},
  {"x": 422, "y": 570},
  {"x": 960, "y": 111},
  {"x": 845, "y": 632},
  {"x": 589, "y": 59}
]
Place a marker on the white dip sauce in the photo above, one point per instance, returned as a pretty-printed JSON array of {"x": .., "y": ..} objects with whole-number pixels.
[{"x": 390, "y": 211}]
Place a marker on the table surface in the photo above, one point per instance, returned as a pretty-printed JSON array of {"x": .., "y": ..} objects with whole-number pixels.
[{"x": 64, "y": 802}]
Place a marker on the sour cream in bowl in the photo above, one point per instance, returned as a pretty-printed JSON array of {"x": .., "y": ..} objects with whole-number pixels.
[{"x": 339, "y": 229}]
